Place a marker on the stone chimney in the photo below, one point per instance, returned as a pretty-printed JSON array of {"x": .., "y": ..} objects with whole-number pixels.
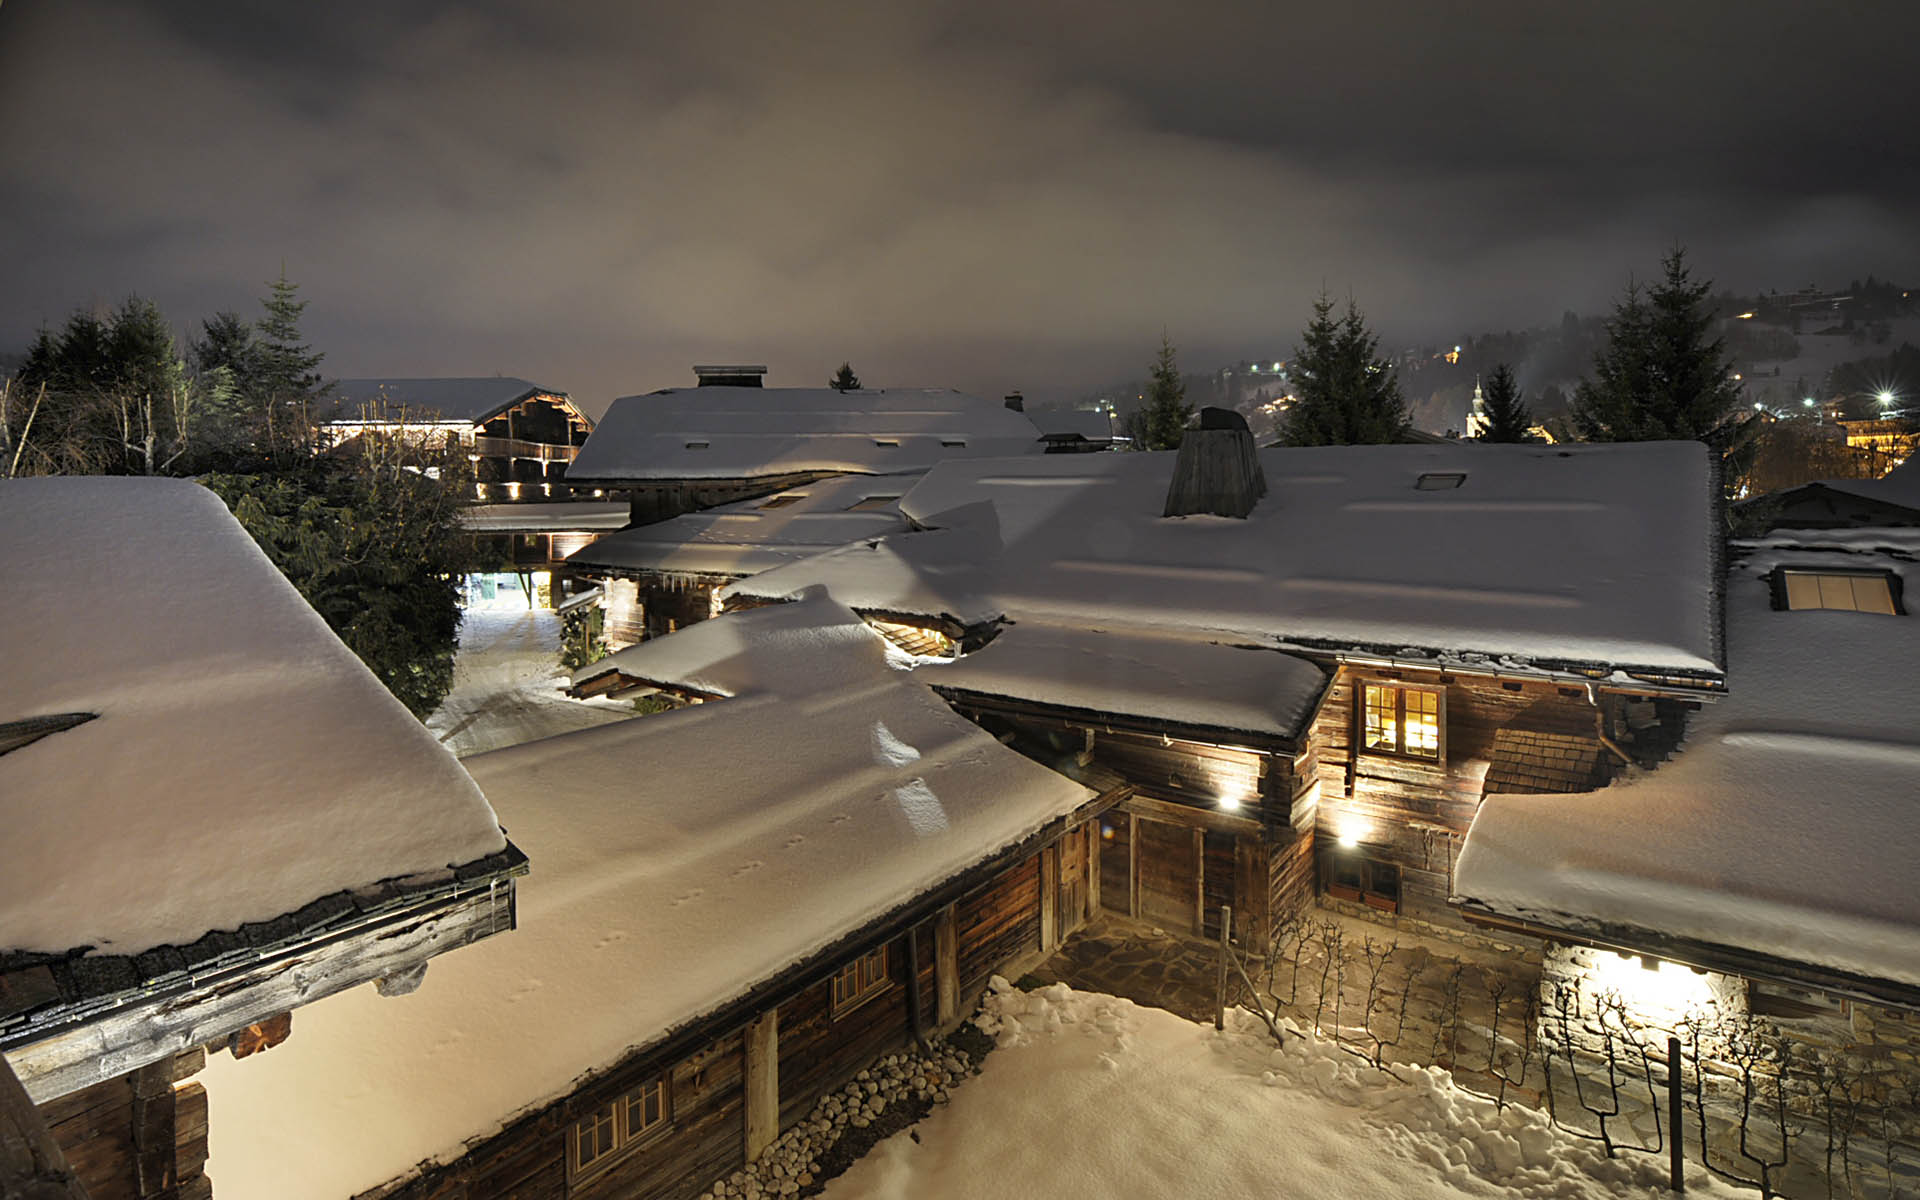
[
  {"x": 740, "y": 375},
  {"x": 1218, "y": 469},
  {"x": 1016, "y": 402}
]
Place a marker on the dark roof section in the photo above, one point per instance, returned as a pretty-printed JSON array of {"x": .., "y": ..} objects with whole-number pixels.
[
  {"x": 462, "y": 399},
  {"x": 42, "y": 993}
]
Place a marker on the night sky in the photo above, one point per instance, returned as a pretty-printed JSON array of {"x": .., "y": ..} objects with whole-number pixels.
[{"x": 979, "y": 194}]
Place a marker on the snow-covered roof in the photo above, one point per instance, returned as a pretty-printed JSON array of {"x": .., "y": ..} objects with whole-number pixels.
[
  {"x": 1899, "y": 486},
  {"x": 787, "y": 649},
  {"x": 476, "y": 399},
  {"x": 755, "y": 535},
  {"x": 749, "y": 432},
  {"x": 243, "y": 762},
  {"x": 681, "y": 860},
  {"x": 564, "y": 516},
  {"x": 1786, "y": 824},
  {"x": 1584, "y": 555},
  {"x": 1167, "y": 678}
]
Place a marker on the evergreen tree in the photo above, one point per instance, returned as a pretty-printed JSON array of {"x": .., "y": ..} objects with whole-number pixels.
[
  {"x": 1344, "y": 393},
  {"x": 1507, "y": 417},
  {"x": 1662, "y": 373},
  {"x": 844, "y": 380},
  {"x": 227, "y": 359},
  {"x": 1167, "y": 410},
  {"x": 287, "y": 374}
]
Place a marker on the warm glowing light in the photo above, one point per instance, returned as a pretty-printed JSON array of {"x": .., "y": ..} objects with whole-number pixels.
[
  {"x": 1230, "y": 803},
  {"x": 1746, "y": 316},
  {"x": 1886, "y": 397},
  {"x": 1662, "y": 993},
  {"x": 1350, "y": 828}
]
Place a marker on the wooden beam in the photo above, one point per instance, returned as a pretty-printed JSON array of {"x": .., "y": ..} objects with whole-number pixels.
[
  {"x": 31, "y": 1164},
  {"x": 1200, "y": 881},
  {"x": 946, "y": 968},
  {"x": 763, "y": 1082},
  {"x": 210, "y": 1007},
  {"x": 1095, "y": 843},
  {"x": 1133, "y": 866},
  {"x": 1192, "y": 816},
  {"x": 1049, "y": 898}
]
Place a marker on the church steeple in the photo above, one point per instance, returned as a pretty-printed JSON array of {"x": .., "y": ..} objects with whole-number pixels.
[{"x": 1477, "y": 415}]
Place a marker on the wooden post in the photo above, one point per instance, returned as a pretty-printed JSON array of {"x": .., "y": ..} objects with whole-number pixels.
[
  {"x": 31, "y": 1164},
  {"x": 1677, "y": 1157},
  {"x": 1049, "y": 898},
  {"x": 1133, "y": 866},
  {"x": 1200, "y": 882},
  {"x": 763, "y": 1082},
  {"x": 1094, "y": 845},
  {"x": 1220, "y": 975},
  {"x": 153, "y": 1131},
  {"x": 916, "y": 1011},
  {"x": 946, "y": 969}
]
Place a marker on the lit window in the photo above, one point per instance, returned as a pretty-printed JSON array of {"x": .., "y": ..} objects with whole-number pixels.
[
  {"x": 624, "y": 1122},
  {"x": 871, "y": 503},
  {"x": 1400, "y": 720},
  {"x": 1365, "y": 881},
  {"x": 860, "y": 981},
  {"x": 1849, "y": 591}
]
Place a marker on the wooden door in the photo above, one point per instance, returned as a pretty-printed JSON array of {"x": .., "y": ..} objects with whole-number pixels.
[
  {"x": 1070, "y": 907},
  {"x": 1116, "y": 863},
  {"x": 1169, "y": 875}
]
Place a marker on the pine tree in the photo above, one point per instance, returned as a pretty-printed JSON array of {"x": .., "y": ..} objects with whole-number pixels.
[
  {"x": 1507, "y": 416},
  {"x": 1344, "y": 393},
  {"x": 286, "y": 366},
  {"x": 1167, "y": 410},
  {"x": 844, "y": 380},
  {"x": 1662, "y": 373}
]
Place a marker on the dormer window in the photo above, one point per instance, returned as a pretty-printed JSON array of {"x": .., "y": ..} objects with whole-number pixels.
[
  {"x": 1795, "y": 588},
  {"x": 1439, "y": 481}
]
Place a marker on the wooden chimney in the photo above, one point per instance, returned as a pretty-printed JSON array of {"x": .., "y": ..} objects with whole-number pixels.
[{"x": 1218, "y": 469}]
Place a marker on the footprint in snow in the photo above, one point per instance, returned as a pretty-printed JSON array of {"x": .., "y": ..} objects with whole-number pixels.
[
  {"x": 691, "y": 896},
  {"x": 840, "y": 819},
  {"x": 612, "y": 939},
  {"x": 750, "y": 865},
  {"x": 795, "y": 840}
]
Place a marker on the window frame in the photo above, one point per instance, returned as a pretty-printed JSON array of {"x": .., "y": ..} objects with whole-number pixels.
[
  {"x": 617, "y": 1115},
  {"x": 1777, "y": 585},
  {"x": 1368, "y": 889},
  {"x": 1400, "y": 689},
  {"x": 846, "y": 991}
]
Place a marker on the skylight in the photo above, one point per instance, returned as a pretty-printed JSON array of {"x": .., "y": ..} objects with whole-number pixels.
[
  {"x": 1847, "y": 591},
  {"x": 696, "y": 445},
  {"x": 870, "y": 503},
  {"x": 783, "y": 501},
  {"x": 887, "y": 443},
  {"x": 1439, "y": 481}
]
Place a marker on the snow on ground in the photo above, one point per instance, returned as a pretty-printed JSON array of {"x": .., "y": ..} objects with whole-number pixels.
[
  {"x": 509, "y": 687},
  {"x": 1090, "y": 1095}
]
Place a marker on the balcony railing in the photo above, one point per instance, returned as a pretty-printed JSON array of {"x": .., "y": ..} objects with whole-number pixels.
[{"x": 517, "y": 448}]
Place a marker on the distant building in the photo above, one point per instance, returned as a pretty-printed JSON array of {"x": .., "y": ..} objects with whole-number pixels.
[{"x": 520, "y": 436}]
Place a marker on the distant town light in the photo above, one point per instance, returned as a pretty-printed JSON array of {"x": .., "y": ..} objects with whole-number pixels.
[
  {"x": 1886, "y": 397},
  {"x": 1808, "y": 402},
  {"x": 1276, "y": 366},
  {"x": 1746, "y": 316}
]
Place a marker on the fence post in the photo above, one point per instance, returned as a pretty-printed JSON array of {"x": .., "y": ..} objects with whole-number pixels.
[
  {"x": 1220, "y": 975},
  {"x": 1676, "y": 1152}
]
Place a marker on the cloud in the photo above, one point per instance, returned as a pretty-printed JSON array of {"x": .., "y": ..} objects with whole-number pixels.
[{"x": 598, "y": 195}]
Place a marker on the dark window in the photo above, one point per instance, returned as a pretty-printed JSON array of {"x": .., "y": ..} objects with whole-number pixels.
[
  {"x": 627, "y": 1121},
  {"x": 1366, "y": 881},
  {"x": 696, "y": 445},
  {"x": 860, "y": 981},
  {"x": 1440, "y": 481}
]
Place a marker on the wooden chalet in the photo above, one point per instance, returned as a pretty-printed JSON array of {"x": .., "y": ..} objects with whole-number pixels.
[
  {"x": 215, "y": 815},
  {"x": 682, "y": 449},
  {"x": 1893, "y": 500},
  {"x": 520, "y": 436},
  {"x": 661, "y": 577},
  {"x": 1480, "y": 620},
  {"x": 533, "y": 540},
  {"x": 739, "y": 906}
]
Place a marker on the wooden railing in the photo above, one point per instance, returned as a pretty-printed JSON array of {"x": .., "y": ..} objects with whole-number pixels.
[{"x": 520, "y": 448}]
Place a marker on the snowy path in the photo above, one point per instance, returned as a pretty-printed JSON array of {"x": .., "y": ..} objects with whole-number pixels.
[
  {"x": 507, "y": 686},
  {"x": 1089, "y": 1095}
]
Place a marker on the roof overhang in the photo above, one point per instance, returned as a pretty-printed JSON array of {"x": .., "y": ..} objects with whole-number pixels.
[
  {"x": 1708, "y": 956},
  {"x": 61, "y": 1048}
]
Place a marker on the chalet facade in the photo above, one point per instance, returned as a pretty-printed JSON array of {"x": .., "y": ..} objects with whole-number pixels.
[
  {"x": 520, "y": 436},
  {"x": 1475, "y": 621},
  {"x": 215, "y": 815},
  {"x": 689, "y": 979}
]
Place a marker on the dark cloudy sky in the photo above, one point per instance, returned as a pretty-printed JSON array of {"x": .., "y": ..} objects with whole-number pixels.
[{"x": 981, "y": 194}]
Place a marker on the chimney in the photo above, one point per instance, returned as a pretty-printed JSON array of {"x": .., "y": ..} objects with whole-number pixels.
[
  {"x": 1016, "y": 402},
  {"x": 738, "y": 375},
  {"x": 1218, "y": 469}
]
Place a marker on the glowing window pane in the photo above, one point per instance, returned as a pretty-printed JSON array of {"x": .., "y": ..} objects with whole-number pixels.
[
  {"x": 1423, "y": 723},
  {"x": 1382, "y": 730}
]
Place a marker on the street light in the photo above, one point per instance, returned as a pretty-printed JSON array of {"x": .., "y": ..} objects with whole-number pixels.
[{"x": 1886, "y": 397}]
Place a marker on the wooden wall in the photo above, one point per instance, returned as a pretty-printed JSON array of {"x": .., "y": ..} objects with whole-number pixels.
[
  {"x": 1415, "y": 814},
  {"x": 995, "y": 925},
  {"x": 141, "y": 1136}
]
